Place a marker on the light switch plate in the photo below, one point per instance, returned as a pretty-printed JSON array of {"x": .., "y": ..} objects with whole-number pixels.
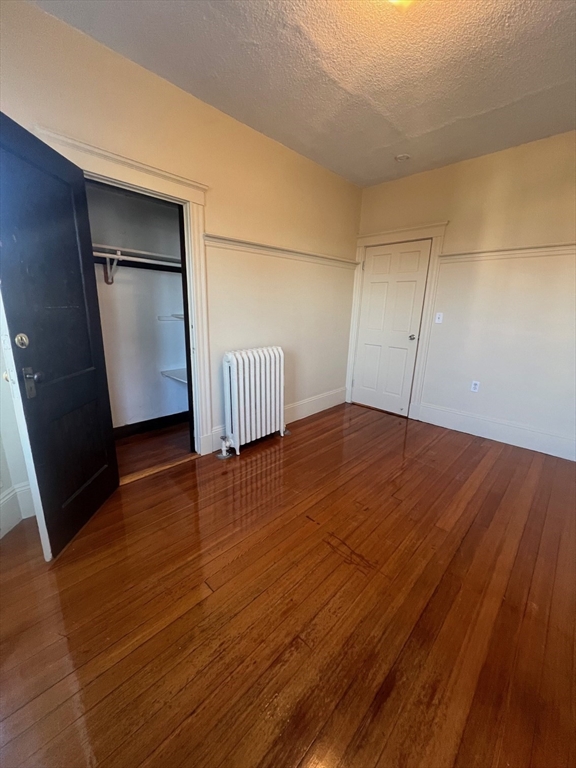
[
  {"x": 475, "y": 386},
  {"x": 439, "y": 317}
]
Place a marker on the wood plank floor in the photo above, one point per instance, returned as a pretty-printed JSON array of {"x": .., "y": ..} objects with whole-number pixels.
[
  {"x": 151, "y": 449},
  {"x": 368, "y": 592}
]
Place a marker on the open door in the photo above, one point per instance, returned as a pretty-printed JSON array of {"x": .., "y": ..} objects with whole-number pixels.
[{"x": 49, "y": 294}]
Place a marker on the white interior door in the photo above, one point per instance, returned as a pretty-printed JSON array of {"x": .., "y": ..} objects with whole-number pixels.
[{"x": 390, "y": 313}]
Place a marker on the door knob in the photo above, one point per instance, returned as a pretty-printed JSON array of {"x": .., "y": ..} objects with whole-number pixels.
[
  {"x": 411, "y": 337},
  {"x": 37, "y": 377},
  {"x": 31, "y": 378}
]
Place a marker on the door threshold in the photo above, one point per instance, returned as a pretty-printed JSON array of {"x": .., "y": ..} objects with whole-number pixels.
[{"x": 142, "y": 473}]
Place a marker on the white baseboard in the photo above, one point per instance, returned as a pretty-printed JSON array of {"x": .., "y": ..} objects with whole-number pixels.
[
  {"x": 217, "y": 432},
  {"x": 9, "y": 511},
  {"x": 25, "y": 500},
  {"x": 207, "y": 442},
  {"x": 296, "y": 411},
  {"x": 15, "y": 504},
  {"x": 315, "y": 404},
  {"x": 496, "y": 429}
]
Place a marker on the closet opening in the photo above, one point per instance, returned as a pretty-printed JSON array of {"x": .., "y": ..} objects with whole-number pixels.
[{"x": 139, "y": 255}]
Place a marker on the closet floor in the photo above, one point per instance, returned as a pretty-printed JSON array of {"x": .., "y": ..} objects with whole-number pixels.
[{"x": 139, "y": 455}]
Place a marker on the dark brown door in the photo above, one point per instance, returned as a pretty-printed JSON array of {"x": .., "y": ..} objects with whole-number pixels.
[{"x": 49, "y": 293}]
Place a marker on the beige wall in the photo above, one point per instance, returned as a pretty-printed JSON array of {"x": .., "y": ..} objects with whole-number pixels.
[
  {"x": 521, "y": 197},
  {"x": 56, "y": 77},
  {"x": 259, "y": 191},
  {"x": 509, "y": 321},
  {"x": 312, "y": 329}
]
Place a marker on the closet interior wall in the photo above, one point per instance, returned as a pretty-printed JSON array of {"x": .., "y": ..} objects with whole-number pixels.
[{"x": 142, "y": 311}]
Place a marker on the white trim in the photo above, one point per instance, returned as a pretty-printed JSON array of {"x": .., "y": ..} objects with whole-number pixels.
[
  {"x": 25, "y": 500},
  {"x": 314, "y": 404},
  {"x": 296, "y": 411},
  {"x": 498, "y": 429},
  {"x": 198, "y": 296},
  {"x": 234, "y": 244},
  {"x": 354, "y": 322},
  {"x": 562, "y": 249},
  {"x": 421, "y": 232},
  {"x": 52, "y": 138},
  {"x": 36, "y": 501},
  {"x": 16, "y": 504},
  {"x": 435, "y": 233},
  {"x": 9, "y": 511},
  {"x": 426, "y": 322},
  {"x": 101, "y": 165},
  {"x": 217, "y": 434}
]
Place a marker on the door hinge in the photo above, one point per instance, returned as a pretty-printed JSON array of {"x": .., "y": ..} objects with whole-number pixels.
[{"x": 363, "y": 265}]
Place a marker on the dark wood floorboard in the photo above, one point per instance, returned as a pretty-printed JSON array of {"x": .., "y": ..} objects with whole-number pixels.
[
  {"x": 368, "y": 592},
  {"x": 149, "y": 449}
]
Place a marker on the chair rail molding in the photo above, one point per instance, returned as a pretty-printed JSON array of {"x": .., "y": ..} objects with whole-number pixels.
[
  {"x": 492, "y": 428},
  {"x": 102, "y": 165},
  {"x": 234, "y": 244}
]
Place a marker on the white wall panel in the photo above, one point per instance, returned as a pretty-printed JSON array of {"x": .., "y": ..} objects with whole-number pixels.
[{"x": 138, "y": 346}]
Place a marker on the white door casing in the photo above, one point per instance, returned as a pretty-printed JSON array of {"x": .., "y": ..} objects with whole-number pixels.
[
  {"x": 105, "y": 166},
  {"x": 392, "y": 297}
]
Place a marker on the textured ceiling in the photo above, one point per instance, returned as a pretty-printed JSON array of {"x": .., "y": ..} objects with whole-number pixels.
[{"x": 353, "y": 83}]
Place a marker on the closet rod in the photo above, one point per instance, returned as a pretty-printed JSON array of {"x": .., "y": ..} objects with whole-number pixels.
[
  {"x": 136, "y": 260},
  {"x": 109, "y": 250},
  {"x": 111, "y": 262}
]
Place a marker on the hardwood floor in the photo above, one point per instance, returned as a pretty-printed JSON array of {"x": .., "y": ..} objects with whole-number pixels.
[
  {"x": 158, "y": 448},
  {"x": 369, "y": 591}
]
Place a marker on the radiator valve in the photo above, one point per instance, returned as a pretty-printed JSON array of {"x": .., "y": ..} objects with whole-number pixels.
[{"x": 225, "y": 453}]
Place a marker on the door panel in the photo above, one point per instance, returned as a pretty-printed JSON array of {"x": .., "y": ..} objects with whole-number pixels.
[
  {"x": 371, "y": 366},
  {"x": 49, "y": 293},
  {"x": 391, "y": 310},
  {"x": 380, "y": 263},
  {"x": 395, "y": 371},
  {"x": 377, "y": 306},
  {"x": 404, "y": 306},
  {"x": 410, "y": 261}
]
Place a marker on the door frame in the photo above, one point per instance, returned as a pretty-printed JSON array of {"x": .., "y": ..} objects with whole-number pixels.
[
  {"x": 18, "y": 405},
  {"x": 433, "y": 232},
  {"x": 110, "y": 168}
]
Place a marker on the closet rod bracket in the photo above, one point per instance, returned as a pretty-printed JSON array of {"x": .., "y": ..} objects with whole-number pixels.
[{"x": 110, "y": 268}]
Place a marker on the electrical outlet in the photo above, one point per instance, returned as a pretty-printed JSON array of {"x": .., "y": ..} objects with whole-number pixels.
[
  {"x": 439, "y": 317},
  {"x": 475, "y": 386}
]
